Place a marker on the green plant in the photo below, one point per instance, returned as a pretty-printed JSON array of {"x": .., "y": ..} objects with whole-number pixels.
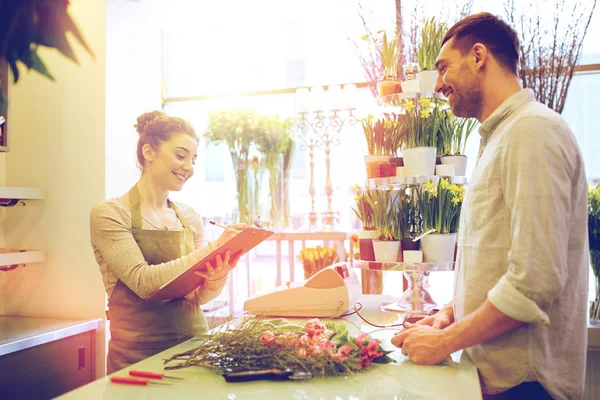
[
  {"x": 384, "y": 134},
  {"x": 440, "y": 205},
  {"x": 421, "y": 124},
  {"x": 463, "y": 127},
  {"x": 364, "y": 210},
  {"x": 25, "y": 25},
  {"x": 390, "y": 52},
  {"x": 430, "y": 42},
  {"x": 384, "y": 218}
]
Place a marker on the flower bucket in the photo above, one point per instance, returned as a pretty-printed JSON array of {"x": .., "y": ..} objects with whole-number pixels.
[
  {"x": 427, "y": 80},
  {"x": 419, "y": 161},
  {"x": 372, "y": 164},
  {"x": 438, "y": 247},
  {"x": 386, "y": 250},
  {"x": 459, "y": 162},
  {"x": 365, "y": 244}
]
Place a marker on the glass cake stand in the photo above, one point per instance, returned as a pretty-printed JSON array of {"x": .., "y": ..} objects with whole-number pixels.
[{"x": 415, "y": 300}]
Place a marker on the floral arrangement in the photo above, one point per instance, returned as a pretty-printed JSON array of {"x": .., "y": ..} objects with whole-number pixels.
[
  {"x": 384, "y": 219},
  {"x": 315, "y": 259},
  {"x": 421, "y": 122},
  {"x": 440, "y": 205},
  {"x": 363, "y": 209},
  {"x": 321, "y": 349},
  {"x": 390, "y": 52},
  {"x": 430, "y": 43},
  {"x": 594, "y": 238},
  {"x": 27, "y": 25},
  {"x": 384, "y": 134}
]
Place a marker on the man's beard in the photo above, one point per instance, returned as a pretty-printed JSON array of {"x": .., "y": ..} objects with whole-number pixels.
[{"x": 467, "y": 100}]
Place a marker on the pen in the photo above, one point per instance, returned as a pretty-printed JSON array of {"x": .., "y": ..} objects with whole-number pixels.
[{"x": 218, "y": 224}]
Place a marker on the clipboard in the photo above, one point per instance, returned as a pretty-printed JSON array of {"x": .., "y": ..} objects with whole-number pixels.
[{"x": 188, "y": 281}]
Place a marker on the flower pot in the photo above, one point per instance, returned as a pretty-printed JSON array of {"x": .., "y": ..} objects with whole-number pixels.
[
  {"x": 410, "y": 85},
  {"x": 460, "y": 164},
  {"x": 388, "y": 86},
  {"x": 427, "y": 80},
  {"x": 372, "y": 164},
  {"x": 397, "y": 161},
  {"x": 386, "y": 169},
  {"x": 419, "y": 161},
  {"x": 386, "y": 250},
  {"x": 444, "y": 170},
  {"x": 365, "y": 245},
  {"x": 438, "y": 247}
]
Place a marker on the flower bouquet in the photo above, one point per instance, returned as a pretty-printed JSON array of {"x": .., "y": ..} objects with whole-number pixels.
[
  {"x": 594, "y": 237},
  {"x": 316, "y": 348}
]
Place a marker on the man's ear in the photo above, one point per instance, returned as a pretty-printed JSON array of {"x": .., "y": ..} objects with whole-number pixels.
[
  {"x": 148, "y": 152},
  {"x": 480, "y": 55}
]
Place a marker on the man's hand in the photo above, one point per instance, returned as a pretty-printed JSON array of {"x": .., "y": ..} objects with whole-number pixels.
[
  {"x": 423, "y": 344},
  {"x": 230, "y": 232},
  {"x": 222, "y": 266},
  {"x": 441, "y": 319}
]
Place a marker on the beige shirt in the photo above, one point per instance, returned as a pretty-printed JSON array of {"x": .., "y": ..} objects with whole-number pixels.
[
  {"x": 120, "y": 258},
  {"x": 523, "y": 245}
]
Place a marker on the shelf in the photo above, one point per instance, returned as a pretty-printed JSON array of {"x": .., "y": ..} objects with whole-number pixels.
[
  {"x": 400, "y": 266},
  {"x": 394, "y": 181},
  {"x": 8, "y": 193},
  {"x": 15, "y": 257},
  {"x": 392, "y": 98}
]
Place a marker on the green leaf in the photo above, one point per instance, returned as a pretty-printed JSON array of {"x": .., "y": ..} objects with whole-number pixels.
[{"x": 38, "y": 65}]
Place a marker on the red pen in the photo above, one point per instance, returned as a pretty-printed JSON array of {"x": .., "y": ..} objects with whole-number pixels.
[
  {"x": 152, "y": 375},
  {"x": 134, "y": 381}
]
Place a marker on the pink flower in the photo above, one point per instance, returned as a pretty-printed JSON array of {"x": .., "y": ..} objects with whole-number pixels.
[
  {"x": 314, "y": 327},
  {"x": 301, "y": 352},
  {"x": 304, "y": 341},
  {"x": 373, "y": 348},
  {"x": 360, "y": 338},
  {"x": 267, "y": 338},
  {"x": 286, "y": 339},
  {"x": 345, "y": 350}
]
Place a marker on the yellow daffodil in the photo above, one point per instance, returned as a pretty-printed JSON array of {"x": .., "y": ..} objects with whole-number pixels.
[
  {"x": 424, "y": 113},
  {"x": 444, "y": 184},
  {"x": 409, "y": 105},
  {"x": 387, "y": 124},
  {"x": 425, "y": 102},
  {"x": 356, "y": 188},
  {"x": 456, "y": 200}
]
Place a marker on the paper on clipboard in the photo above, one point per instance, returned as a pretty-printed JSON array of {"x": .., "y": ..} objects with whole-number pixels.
[{"x": 187, "y": 281}]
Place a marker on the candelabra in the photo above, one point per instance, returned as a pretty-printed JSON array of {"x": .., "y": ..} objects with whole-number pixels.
[{"x": 322, "y": 129}]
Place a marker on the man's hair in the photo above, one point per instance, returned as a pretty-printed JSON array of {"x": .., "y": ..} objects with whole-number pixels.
[{"x": 491, "y": 31}]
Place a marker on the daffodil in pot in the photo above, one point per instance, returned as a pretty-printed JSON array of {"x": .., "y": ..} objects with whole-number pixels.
[
  {"x": 237, "y": 129},
  {"x": 374, "y": 131},
  {"x": 364, "y": 212},
  {"x": 455, "y": 141},
  {"x": 419, "y": 129},
  {"x": 594, "y": 238},
  {"x": 404, "y": 208},
  {"x": 386, "y": 247},
  {"x": 440, "y": 205},
  {"x": 390, "y": 52},
  {"x": 428, "y": 48}
]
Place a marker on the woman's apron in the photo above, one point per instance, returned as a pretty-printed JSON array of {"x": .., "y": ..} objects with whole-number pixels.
[{"x": 140, "y": 329}]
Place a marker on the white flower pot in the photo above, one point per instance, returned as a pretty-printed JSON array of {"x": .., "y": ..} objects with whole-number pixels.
[
  {"x": 411, "y": 85},
  {"x": 427, "y": 80},
  {"x": 460, "y": 164},
  {"x": 438, "y": 247},
  {"x": 386, "y": 250},
  {"x": 419, "y": 161},
  {"x": 444, "y": 169}
]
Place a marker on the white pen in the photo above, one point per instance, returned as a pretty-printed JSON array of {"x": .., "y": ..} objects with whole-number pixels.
[{"x": 218, "y": 224}]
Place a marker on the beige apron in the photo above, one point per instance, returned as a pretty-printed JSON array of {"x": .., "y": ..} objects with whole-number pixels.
[{"x": 140, "y": 329}]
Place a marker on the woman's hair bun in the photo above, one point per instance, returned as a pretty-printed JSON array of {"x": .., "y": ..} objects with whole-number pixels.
[{"x": 147, "y": 119}]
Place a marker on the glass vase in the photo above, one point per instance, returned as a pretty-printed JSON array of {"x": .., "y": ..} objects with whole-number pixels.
[
  {"x": 243, "y": 189},
  {"x": 276, "y": 198}
]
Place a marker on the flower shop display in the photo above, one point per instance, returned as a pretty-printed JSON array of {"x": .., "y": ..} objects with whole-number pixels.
[
  {"x": 384, "y": 138},
  {"x": 430, "y": 42},
  {"x": 314, "y": 259},
  {"x": 390, "y": 52},
  {"x": 440, "y": 205},
  {"x": 594, "y": 238},
  {"x": 386, "y": 246},
  {"x": 454, "y": 132},
  {"x": 422, "y": 119},
  {"x": 316, "y": 348}
]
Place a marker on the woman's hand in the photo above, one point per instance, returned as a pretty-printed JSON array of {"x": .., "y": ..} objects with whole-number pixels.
[
  {"x": 223, "y": 264},
  {"x": 230, "y": 232}
]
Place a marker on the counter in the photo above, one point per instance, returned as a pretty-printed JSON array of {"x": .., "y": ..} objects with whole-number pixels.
[{"x": 455, "y": 379}]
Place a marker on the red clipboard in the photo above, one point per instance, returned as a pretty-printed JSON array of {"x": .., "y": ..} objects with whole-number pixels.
[{"x": 187, "y": 281}]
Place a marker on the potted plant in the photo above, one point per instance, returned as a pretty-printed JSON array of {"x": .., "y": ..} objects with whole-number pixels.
[
  {"x": 390, "y": 52},
  {"x": 364, "y": 212},
  {"x": 428, "y": 48},
  {"x": 272, "y": 141},
  {"x": 420, "y": 131},
  {"x": 386, "y": 247},
  {"x": 594, "y": 238},
  {"x": 238, "y": 129},
  {"x": 454, "y": 149},
  {"x": 384, "y": 139},
  {"x": 440, "y": 206},
  {"x": 404, "y": 208}
]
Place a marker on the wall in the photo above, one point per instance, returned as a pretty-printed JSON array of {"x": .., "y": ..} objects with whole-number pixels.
[{"x": 57, "y": 144}]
